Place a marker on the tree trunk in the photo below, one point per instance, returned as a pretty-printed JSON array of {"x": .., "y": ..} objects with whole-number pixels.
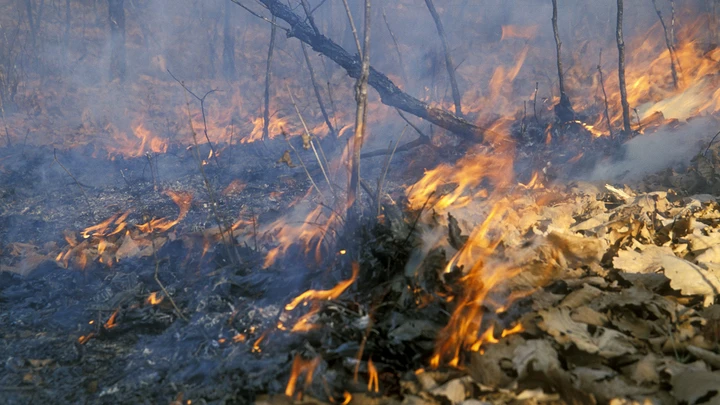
[
  {"x": 118, "y": 64},
  {"x": 228, "y": 44}
]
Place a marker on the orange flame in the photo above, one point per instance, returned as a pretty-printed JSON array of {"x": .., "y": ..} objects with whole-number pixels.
[
  {"x": 325, "y": 294},
  {"x": 154, "y": 299},
  {"x": 373, "y": 383},
  {"x": 111, "y": 322},
  {"x": 299, "y": 367},
  {"x": 183, "y": 200}
]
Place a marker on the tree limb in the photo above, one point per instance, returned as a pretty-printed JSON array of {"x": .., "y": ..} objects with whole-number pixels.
[{"x": 390, "y": 94}]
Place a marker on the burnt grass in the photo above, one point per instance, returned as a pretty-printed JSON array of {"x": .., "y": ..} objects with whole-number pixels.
[{"x": 152, "y": 355}]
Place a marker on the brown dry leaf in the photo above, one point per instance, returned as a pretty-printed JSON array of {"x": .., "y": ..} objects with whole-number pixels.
[
  {"x": 454, "y": 391},
  {"x": 645, "y": 370},
  {"x": 646, "y": 261},
  {"x": 536, "y": 353},
  {"x": 127, "y": 249},
  {"x": 286, "y": 159},
  {"x": 602, "y": 341},
  {"x": 691, "y": 279},
  {"x": 492, "y": 367},
  {"x": 580, "y": 297},
  {"x": 305, "y": 140},
  {"x": 691, "y": 387},
  {"x": 588, "y": 316},
  {"x": 606, "y": 384},
  {"x": 707, "y": 356}
]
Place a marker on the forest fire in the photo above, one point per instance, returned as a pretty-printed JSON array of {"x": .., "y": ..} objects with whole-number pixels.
[{"x": 229, "y": 192}]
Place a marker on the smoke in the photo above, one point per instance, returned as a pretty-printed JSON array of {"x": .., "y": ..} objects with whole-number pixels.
[{"x": 649, "y": 153}]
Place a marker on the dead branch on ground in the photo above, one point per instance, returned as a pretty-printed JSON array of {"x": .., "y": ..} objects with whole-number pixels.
[
  {"x": 449, "y": 64},
  {"x": 621, "y": 69}
]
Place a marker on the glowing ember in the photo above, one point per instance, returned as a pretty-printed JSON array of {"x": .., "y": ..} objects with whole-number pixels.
[{"x": 111, "y": 321}]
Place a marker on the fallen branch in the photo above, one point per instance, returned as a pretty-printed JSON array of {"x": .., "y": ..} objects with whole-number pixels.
[{"x": 390, "y": 94}]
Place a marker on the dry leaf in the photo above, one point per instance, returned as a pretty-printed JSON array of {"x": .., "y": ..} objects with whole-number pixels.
[
  {"x": 127, "y": 249},
  {"x": 286, "y": 159},
  {"x": 582, "y": 296},
  {"x": 691, "y": 279},
  {"x": 536, "y": 353},
  {"x": 602, "y": 341},
  {"x": 645, "y": 370},
  {"x": 454, "y": 391},
  {"x": 691, "y": 387},
  {"x": 707, "y": 356}
]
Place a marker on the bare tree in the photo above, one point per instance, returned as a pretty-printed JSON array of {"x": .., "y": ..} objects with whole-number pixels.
[
  {"x": 563, "y": 110},
  {"x": 118, "y": 63},
  {"x": 621, "y": 69}
]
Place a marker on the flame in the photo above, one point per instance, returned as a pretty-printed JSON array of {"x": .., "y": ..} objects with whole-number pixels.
[
  {"x": 182, "y": 199},
  {"x": 154, "y": 299},
  {"x": 516, "y": 31},
  {"x": 239, "y": 338},
  {"x": 325, "y": 294},
  {"x": 515, "y": 329},
  {"x": 111, "y": 322},
  {"x": 373, "y": 384},
  {"x": 299, "y": 367}
]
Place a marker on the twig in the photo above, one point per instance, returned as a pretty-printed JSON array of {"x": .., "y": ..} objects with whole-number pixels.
[
  {"x": 152, "y": 171},
  {"x": 602, "y": 86},
  {"x": 710, "y": 144},
  {"x": 159, "y": 283},
  {"x": 354, "y": 30},
  {"x": 202, "y": 110},
  {"x": 310, "y": 18},
  {"x": 315, "y": 186},
  {"x": 310, "y": 137},
  {"x": 449, "y": 64},
  {"x": 317, "y": 90},
  {"x": 206, "y": 181},
  {"x": 417, "y": 219},
  {"x": 259, "y": 16},
  {"x": 535, "y": 94},
  {"x": 381, "y": 180},
  {"x": 621, "y": 69},
  {"x": 361, "y": 94},
  {"x": 564, "y": 109},
  {"x": 268, "y": 74},
  {"x": 7, "y": 132},
  {"x": 397, "y": 49},
  {"x": 668, "y": 43},
  {"x": 82, "y": 190}
]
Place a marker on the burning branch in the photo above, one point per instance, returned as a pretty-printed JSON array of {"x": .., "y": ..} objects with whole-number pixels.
[
  {"x": 390, "y": 94},
  {"x": 621, "y": 69},
  {"x": 448, "y": 58},
  {"x": 564, "y": 109},
  {"x": 360, "y": 118}
]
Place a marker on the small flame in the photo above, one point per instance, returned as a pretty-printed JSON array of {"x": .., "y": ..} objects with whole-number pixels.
[
  {"x": 325, "y": 294},
  {"x": 515, "y": 329},
  {"x": 111, "y": 322},
  {"x": 154, "y": 298},
  {"x": 373, "y": 383},
  {"x": 301, "y": 366}
]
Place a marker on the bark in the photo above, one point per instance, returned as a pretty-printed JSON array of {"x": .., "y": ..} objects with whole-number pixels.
[
  {"x": 621, "y": 69},
  {"x": 118, "y": 64},
  {"x": 228, "y": 44},
  {"x": 390, "y": 94}
]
